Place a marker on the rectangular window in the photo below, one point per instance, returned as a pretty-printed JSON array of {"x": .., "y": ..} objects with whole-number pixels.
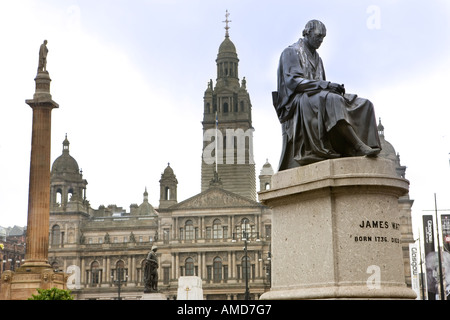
[
  {"x": 95, "y": 276},
  {"x": 268, "y": 229},
  {"x": 181, "y": 234},
  {"x": 182, "y": 271},
  {"x": 217, "y": 232},
  {"x": 209, "y": 273},
  {"x": 225, "y": 272},
  {"x": 166, "y": 277},
  {"x": 166, "y": 236}
]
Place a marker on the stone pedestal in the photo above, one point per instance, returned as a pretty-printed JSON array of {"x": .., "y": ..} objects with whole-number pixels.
[
  {"x": 336, "y": 232},
  {"x": 153, "y": 296},
  {"x": 22, "y": 284},
  {"x": 190, "y": 288}
]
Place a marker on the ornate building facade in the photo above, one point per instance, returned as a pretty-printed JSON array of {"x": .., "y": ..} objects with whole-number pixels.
[{"x": 221, "y": 235}]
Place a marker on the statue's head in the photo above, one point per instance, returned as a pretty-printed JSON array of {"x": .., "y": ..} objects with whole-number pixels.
[
  {"x": 314, "y": 33},
  {"x": 154, "y": 248}
]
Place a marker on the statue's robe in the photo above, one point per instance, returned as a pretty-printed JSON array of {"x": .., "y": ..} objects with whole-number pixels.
[{"x": 308, "y": 111}]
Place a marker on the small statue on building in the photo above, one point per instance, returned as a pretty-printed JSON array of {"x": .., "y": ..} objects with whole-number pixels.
[
  {"x": 107, "y": 238},
  {"x": 151, "y": 271}
]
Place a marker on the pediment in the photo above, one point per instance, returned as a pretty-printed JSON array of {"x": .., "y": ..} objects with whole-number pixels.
[{"x": 215, "y": 197}]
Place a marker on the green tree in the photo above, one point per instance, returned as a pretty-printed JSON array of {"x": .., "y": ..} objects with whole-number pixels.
[{"x": 52, "y": 294}]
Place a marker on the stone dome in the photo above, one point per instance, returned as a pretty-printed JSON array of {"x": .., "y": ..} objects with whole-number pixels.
[
  {"x": 267, "y": 169},
  {"x": 168, "y": 171},
  {"x": 65, "y": 163},
  {"x": 227, "y": 46},
  {"x": 387, "y": 149},
  {"x": 146, "y": 209}
]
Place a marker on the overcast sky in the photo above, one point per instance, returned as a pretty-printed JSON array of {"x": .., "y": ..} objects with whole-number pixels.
[{"x": 129, "y": 77}]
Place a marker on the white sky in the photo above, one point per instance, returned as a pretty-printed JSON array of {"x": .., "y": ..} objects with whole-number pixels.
[{"x": 129, "y": 77}]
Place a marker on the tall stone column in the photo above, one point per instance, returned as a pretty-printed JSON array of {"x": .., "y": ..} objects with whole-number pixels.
[
  {"x": 36, "y": 273},
  {"x": 39, "y": 187}
]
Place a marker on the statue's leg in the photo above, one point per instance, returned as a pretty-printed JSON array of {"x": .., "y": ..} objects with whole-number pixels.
[{"x": 346, "y": 132}]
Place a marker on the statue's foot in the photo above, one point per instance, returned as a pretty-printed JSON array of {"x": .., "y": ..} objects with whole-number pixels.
[
  {"x": 316, "y": 158},
  {"x": 364, "y": 150}
]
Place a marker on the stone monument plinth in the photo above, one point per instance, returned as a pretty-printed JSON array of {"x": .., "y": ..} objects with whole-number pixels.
[
  {"x": 153, "y": 296},
  {"x": 190, "y": 288},
  {"x": 336, "y": 232}
]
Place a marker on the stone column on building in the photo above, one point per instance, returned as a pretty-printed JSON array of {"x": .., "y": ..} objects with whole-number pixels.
[{"x": 177, "y": 265}]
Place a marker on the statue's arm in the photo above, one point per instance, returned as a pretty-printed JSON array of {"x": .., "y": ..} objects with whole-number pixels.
[{"x": 294, "y": 74}]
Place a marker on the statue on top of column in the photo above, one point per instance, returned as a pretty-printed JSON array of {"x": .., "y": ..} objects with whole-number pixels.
[{"x": 43, "y": 51}]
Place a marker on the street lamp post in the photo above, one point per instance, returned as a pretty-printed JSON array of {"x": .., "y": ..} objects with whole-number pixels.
[
  {"x": 245, "y": 267},
  {"x": 268, "y": 266},
  {"x": 247, "y": 292},
  {"x": 119, "y": 281}
]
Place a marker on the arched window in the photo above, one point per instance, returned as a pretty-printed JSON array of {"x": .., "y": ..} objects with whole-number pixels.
[
  {"x": 267, "y": 186},
  {"x": 217, "y": 269},
  {"x": 225, "y": 107},
  {"x": 167, "y": 193},
  {"x": 59, "y": 196},
  {"x": 120, "y": 271},
  {"x": 189, "y": 267},
  {"x": 56, "y": 235},
  {"x": 95, "y": 273},
  {"x": 70, "y": 194},
  {"x": 217, "y": 229},
  {"x": 242, "y": 106},
  {"x": 189, "y": 230},
  {"x": 208, "y": 108},
  {"x": 245, "y": 227}
]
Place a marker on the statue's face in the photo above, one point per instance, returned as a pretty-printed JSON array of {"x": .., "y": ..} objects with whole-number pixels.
[{"x": 315, "y": 38}]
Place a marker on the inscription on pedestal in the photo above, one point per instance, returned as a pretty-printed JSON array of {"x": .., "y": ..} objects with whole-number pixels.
[{"x": 378, "y": 226}]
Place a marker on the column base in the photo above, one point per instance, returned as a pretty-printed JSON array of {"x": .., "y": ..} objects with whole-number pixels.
[
  {"x": 23, "y": 283},
  {"x": 153, "y": 296},
  {"x": 341, "y": 293}
]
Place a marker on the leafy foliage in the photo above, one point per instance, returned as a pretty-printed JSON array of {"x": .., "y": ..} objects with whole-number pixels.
[{"x": 52, "y": 294}]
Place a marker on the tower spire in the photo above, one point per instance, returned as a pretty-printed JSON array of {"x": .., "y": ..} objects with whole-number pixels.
[{"x": 226, "y": 24}]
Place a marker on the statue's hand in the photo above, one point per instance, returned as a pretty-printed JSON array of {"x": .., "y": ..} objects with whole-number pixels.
[{"x": 336, "y": 88}]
